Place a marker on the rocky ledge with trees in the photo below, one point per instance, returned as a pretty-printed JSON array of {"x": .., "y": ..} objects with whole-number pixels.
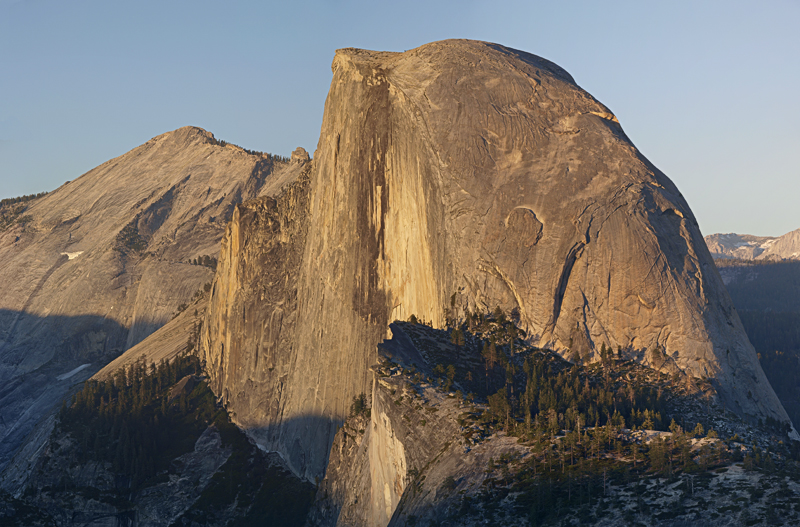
[{"x": 492, "y": 429}]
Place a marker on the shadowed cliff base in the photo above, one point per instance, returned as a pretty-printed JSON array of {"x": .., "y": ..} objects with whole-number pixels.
[
  {"x": 317, "y": 429},
  {"x": 155, "y": 449},
  {"x": 35, "y": 383}
]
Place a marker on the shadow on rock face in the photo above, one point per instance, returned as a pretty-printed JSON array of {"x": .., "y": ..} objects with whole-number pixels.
[
  {"x": 41, "y": 359},
  {"x": 297, "y": 432}
]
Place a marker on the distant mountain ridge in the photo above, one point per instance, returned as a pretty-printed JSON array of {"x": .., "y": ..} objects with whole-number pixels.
[{"x": 749, "y": 247}]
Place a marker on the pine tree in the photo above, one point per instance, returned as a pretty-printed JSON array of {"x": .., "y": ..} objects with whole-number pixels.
[{"x": 457, "y": 336}]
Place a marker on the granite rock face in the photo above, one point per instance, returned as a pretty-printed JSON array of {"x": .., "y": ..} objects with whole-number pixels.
[
  {"x": 94, "y": 267},
  {"x": 470, "y": 168},
  {"x": 374, "y": 459},
  {"x": 248, "y": 339}
]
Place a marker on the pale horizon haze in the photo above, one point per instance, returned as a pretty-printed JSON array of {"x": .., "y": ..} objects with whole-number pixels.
[{"x": 707, "y": 91}]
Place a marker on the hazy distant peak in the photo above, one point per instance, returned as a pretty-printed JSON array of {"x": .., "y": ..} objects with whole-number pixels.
[
  {"x": 749, "y": 247},
  {"x": 786, "y": 246}
]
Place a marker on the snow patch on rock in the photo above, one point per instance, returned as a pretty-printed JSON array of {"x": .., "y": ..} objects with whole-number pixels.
[{"x": 70, "y": 373}]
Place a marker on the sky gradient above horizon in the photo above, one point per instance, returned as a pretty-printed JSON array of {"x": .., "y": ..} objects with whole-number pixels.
[{"x": 706, "y": 91}]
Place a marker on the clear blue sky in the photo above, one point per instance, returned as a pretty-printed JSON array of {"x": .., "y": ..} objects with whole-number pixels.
[{"x": 708, "y": 91}]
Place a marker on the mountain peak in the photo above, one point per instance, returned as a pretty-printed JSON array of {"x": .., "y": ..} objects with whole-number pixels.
[
  {"x": 185, "y": 135},
  {"x": 749, "y": 247},
  {"x": 112, "y": 250},
  {"x": 453, "y": 178}
]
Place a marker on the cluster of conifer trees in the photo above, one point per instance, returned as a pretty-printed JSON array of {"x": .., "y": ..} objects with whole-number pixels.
[
  {"x": 150, "y": 414},
  {"x": 11, "y": 209},
  {"x": 570, "y": 413},
  {"x": 20, "y": 199},
  {"x": 271, "y": 157},
  {"x": 574, "y": 473},
  {"x": 206, "y": 261},
  {"x": 134, "y": 421},
  {"x": 529, "y": 389},
  {"x": 130, "y": 239}
]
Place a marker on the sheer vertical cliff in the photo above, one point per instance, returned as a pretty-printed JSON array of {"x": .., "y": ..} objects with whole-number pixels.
[
  {"x": 248, "y": 338},
  {"x": 465, "y": 167}
]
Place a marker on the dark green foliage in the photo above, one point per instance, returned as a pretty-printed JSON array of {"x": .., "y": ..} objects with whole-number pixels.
[
  {"x": 499, "y": 405},
  {"x": 569, "y": 477},
  {"x": 451, "y": 374},
  {"x": 148, "y": 415},
  {"x": 270, "y": 157},
  {"x": 12, "y": 209},
  {"x": 181, "y": 308},
  {"x": 573, "y": 418},
  {"x": 129, "y": 240},
  {"x": 449, "y": 484},
  {"x": 457, "y": 336},
  {"x": 359, "y": 405},
  {"x": 132, "y": 423},
  {"x": 205, "y": 261},
  {"x": 20, "y": 199},
  {"x": 522, "y": 385}
]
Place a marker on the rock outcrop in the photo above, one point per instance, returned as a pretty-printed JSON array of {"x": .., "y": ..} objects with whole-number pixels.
[
  {"x": 94, "y": 267},
  {"x": 248, "y": 340},
  {"x": 424, "y": 456},
  {"x": 470, "y": 168}
]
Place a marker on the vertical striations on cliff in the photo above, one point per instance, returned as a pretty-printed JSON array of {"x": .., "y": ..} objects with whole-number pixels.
[{"x": 467, "y": 167}]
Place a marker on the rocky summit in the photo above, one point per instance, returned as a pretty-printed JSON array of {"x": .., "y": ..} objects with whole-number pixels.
[
  {"x": 94, "y": 267},
  {"x": 468, "y": 174}
]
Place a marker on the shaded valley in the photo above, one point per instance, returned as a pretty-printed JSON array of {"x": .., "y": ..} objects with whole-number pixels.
[{"x": 767, "y": 298}]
